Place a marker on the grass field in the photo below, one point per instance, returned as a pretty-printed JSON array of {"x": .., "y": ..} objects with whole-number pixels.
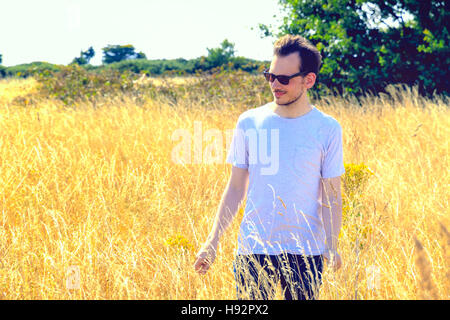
[{"x": 94, "y": 191}]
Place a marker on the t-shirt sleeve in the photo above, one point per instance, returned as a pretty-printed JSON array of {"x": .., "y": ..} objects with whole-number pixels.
[
  {"x": 238, "y": 152},
  {"x": 333, "y": 162}
]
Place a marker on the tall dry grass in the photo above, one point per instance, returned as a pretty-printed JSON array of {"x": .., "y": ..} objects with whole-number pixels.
[{"x": 96, "y": 188}]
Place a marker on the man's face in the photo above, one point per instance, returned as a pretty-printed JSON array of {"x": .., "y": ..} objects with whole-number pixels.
[{"x": 288, "y": 65}]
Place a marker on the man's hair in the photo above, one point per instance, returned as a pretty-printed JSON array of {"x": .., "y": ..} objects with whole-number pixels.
[{"x": 310, "y": 57}]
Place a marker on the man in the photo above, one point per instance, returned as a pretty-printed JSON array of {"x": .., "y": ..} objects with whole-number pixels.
[{"x": 293, "y": 213}]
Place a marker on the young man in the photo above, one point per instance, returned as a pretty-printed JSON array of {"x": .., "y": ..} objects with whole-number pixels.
[{"x": 293, "y": 210}]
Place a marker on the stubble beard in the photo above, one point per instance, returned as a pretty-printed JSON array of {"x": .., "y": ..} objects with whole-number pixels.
[{"x": 291, "y": 102}]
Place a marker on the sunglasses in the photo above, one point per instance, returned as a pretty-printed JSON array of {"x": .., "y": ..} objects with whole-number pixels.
[{"x": 284, "y": 80}]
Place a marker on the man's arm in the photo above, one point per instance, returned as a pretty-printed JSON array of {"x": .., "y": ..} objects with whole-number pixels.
[
  {"x": 232, "y": 198},
  {"x": 332, "y": 217}
]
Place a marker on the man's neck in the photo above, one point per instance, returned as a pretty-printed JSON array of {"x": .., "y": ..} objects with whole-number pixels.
[{"x": 295, "y": 110}]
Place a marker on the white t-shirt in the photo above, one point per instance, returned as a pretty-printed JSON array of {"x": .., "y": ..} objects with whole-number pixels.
[{"x": 286, "y": 158}]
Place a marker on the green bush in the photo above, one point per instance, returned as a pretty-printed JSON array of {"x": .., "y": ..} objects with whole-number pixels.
[
  {"x": 74, "y": 83},
  {"x": 234, "y": 86},
  {"x": 29, "y": 69}
]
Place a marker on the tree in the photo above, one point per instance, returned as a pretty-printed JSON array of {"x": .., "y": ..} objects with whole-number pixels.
[
  {"x": 116, "y": 53},
  {"x": 220, "y": 56},
  {"x": 366, "y": 45},
  {"x": 85, "y": 57},
  {"x": 2, "y": 69}
]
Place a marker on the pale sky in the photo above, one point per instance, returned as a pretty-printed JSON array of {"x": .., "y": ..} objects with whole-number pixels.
[{"x": 57, "y": 30}]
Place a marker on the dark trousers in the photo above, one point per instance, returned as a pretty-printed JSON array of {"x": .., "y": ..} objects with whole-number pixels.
[{"x": 257, "y": 276}]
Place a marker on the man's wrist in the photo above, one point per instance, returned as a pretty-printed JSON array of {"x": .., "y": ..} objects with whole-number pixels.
[
  {"x": 332, "y": 249},
  {"x": 213, "y": 240}
]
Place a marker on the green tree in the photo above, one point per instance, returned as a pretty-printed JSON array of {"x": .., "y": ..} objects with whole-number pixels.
[
  {"x": 366, "y": 45},
  {"x": 85, "y": 57},
  {"x": 221, "y": 55},
  {"x": 116, "y": 53},
  {"x": 2, "y": 68}
]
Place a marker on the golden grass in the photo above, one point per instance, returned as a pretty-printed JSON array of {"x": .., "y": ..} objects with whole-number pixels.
[
  {"x": 96, "y": 188},
  {"x": 12, "y": 88},
  {"x": 178, "y": 80}
]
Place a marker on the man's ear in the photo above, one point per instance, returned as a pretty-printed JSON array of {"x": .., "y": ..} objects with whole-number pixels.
[{"x": 310, "y": 80}]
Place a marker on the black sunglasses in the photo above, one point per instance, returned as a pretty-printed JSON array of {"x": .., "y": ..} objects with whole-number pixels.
[{"x": 284, "y": 80}]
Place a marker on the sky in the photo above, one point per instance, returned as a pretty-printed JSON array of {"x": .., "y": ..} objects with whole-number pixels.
[{"x": 56, "y": 31}]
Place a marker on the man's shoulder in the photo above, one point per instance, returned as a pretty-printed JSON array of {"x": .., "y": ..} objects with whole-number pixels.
[
  {"x": 252, "y": 114},
  {"x": 327, "y": 120}
]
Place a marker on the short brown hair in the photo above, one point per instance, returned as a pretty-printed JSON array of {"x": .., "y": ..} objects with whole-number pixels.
[{"x": 310, "y": 57}]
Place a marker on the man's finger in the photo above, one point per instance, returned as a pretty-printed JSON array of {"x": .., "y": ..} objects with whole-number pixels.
[
  {"x": 338, "y": 264},
  {"x": 202, "y": 270},
  {"x": 201, "y": 266},
  {"x": 198, "y": 264}
]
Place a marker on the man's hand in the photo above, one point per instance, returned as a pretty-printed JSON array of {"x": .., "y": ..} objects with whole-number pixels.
[
  {"x": 333, "y": 259},
  {"x": 205, "y": 258}
]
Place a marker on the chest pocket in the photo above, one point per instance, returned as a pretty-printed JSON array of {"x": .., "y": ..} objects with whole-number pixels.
[{"x": 307, "y": 159}]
